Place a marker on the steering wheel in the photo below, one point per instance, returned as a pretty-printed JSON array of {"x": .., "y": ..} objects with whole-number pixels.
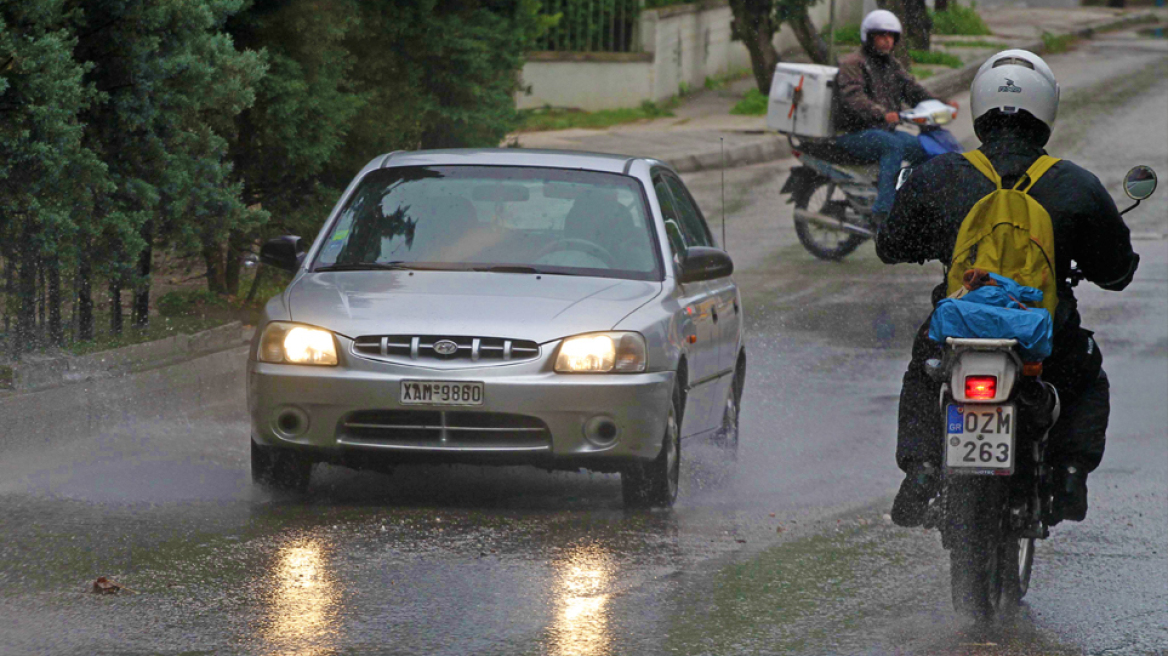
[{"x": 583, "y": 245}]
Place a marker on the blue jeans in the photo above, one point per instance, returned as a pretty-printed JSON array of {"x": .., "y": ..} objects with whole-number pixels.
[{"x": 888, "y": 148}]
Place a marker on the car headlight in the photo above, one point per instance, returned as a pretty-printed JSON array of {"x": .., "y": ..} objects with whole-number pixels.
[
  {"x": 602, "y": 353},
  {"x": 292, "y": 343}
]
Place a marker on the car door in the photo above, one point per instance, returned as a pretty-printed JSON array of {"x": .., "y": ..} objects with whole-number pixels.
[
  {"x": 697, "y": 306},
  {"x": 727, "y": 310}
]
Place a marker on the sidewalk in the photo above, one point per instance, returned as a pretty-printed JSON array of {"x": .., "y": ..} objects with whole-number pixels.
[{"x": 693, "y": 139}]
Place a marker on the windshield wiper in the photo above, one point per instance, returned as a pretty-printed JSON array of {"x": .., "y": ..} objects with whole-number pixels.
[
  {"x": 378, "y": 266},
  {"x": 510, "y": 268}
]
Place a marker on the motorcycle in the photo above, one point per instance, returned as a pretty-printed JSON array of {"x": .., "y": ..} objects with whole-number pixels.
[
  {"x": 833, "y": 192},
  {"x": 996, "y": 485}
]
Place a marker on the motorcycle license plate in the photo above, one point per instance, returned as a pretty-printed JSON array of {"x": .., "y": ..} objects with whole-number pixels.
[{"x": 979, "y": 439}]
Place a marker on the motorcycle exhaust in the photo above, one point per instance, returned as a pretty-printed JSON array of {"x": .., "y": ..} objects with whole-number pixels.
[{"x": 831, "y": 223}]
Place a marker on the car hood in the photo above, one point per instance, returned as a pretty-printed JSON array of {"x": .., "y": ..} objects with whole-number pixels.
[{"x": 457, "y": 303}]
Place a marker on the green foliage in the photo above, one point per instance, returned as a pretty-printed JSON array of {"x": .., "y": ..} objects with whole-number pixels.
[
  {"x": 1053, "y": 44},
  {"x": 752, "y": 104},
  {"x": 921, "y": 73},
  {"x": 848, "y": 35},
  {"x": 715, "y": 82},
  {"x": 189, "y": 303},
  {"x": 936, "y": 58},
  {"x": 959, "y": 19},
  {"x": 535, "y": 120},
  {"x": 977, "y": 43}
]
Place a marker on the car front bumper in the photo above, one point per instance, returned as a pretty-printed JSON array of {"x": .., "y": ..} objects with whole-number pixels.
[{"x": 529, "y": 415}]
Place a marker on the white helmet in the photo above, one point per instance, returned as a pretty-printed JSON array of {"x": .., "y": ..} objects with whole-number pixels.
[
  {"x": 880, "y": 20},
  {"x": 1012, "y": 80}
]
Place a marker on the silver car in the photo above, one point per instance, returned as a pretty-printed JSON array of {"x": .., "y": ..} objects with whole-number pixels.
[{"x": 559, "y": 309}]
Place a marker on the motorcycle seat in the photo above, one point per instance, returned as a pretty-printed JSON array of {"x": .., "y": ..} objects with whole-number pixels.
[{"x": 828, "y": 150}]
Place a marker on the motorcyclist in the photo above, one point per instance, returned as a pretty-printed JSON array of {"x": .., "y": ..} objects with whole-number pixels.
[
  {"x": 1014, "y": 100},
  {"x": 871, "y": 87}
]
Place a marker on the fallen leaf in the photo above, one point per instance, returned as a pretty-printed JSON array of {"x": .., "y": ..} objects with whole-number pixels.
[{"x": 105, "y": 586}]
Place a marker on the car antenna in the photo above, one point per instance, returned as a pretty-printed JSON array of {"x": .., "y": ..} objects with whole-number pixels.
[{"x": 722, "y": 141}]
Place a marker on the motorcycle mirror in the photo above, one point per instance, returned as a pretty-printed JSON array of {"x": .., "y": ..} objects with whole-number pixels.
[
  {"x": 902, "y": 177},
  {"x": 1140, "y": 182},
  {"x": 250, "y": 261}
]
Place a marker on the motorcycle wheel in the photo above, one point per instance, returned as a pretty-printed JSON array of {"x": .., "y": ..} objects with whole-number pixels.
[
  {"x": 823, "y": 197},
  {"x": 984, "y": 561}
]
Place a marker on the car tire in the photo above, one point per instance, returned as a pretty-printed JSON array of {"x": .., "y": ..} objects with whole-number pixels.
[
  {"x": 727, "y": 436},
  {"x": 654, "y": 483},
  {"x": 279, "y": 469}
]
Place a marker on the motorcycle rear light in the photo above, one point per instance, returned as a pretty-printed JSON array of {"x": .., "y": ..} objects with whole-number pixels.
[
  {"x": 981, "y": 388},
  {"x": 1031, "y": 368},
  {"x": 796, "y": 153}
]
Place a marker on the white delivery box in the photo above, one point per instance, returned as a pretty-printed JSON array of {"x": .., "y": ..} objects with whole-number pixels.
[{"x": 809, "y": 88}]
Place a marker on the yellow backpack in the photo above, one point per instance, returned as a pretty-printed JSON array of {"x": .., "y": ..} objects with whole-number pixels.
[{"x": 1008, "y": 233}]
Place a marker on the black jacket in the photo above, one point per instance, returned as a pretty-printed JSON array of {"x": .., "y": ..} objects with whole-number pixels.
[{"x": 1088, "y": 229}]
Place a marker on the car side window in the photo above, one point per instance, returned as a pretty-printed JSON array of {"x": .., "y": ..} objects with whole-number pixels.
[
  {"x": 673, "y": 229},
  {"x": 693, "y": 226}
]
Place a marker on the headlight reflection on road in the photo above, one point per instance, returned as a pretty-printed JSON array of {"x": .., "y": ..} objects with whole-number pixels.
[
  {"x": 303, "y": 602},
  {"x": 582, "y": 595}
]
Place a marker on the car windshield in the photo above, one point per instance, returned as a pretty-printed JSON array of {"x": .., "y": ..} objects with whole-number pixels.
[{"x": 495, "y": 218}]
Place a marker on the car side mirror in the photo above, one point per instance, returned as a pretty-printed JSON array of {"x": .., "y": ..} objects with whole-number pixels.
[
  {"x": 285, "y": 252},
  {"x": 705, "y": 263}
]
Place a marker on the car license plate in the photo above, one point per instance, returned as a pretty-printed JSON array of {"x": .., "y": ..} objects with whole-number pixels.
[
  {"x": 979, "y": 439},
  {"x": 437, "y": 392}
]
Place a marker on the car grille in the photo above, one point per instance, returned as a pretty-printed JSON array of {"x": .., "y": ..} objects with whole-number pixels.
[
  {"x": 408, "y": 349},
  {"x": 440, "y": 429}
]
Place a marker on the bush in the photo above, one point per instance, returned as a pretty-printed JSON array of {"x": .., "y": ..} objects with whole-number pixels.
[
  {"x": 959, "y": 20},
  {"x": 189, "y": 303},
  {"x": 753, "y": 104},
  {"x": 849, "y": 35},
  {"x": 936, "y": 58},
  {"x": 1053, "y": 44}
]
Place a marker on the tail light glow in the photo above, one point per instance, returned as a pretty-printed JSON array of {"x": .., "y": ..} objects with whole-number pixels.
[{"x": 981, "y": 388}]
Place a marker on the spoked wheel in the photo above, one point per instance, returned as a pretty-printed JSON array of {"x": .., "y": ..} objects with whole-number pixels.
[
  {"x": 827, "y": 244},
  {"x": 654, "y": 483},
  {"x": 1017, "y": 561}
]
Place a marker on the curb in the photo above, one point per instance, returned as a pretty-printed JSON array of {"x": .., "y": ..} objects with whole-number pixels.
[
  {"x": 38, "y": 372},
  {"x": 945, "y": 84}
]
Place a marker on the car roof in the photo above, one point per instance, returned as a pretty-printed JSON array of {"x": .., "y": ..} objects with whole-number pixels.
[{"x": 560, "y": 159}]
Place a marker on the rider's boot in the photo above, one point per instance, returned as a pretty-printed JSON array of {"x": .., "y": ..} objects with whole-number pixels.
[
  {"x": 920, "y": 484},
  {"x": 1070, "y": 494}
]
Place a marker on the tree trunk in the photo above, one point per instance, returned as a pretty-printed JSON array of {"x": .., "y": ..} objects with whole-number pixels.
[
  {"x": 26, "y": 290},
  {"x": 918, "y": 26},
  {"x": 813, "y": 44},
  {"x": 754, "y": 24},
  {"x": 237, "y": 245},
  {"x": 141, "y": 306},
  {"x": 85, "y": 327},
  {"x": 213, "y": 258},
  {"x": 115, "y": 298},
  {"x": 56, "y": 329}
]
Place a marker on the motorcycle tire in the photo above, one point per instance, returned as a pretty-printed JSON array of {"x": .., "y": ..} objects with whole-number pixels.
[
  {"x": 823, "y": 243},
  {"x": 986, "y": 563}
]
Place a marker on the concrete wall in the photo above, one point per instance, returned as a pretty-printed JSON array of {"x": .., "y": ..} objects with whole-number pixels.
[{"x": 681, "y": 44}]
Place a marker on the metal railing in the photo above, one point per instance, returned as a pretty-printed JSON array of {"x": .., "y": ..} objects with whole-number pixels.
[{"x": 592, "y": 26}]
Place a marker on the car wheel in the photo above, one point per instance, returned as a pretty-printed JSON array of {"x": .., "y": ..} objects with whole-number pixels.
[
  {"x": 654, "y": 483},
  {"x": 279, "y": 469},
  {"x": 727, "y": 436}
]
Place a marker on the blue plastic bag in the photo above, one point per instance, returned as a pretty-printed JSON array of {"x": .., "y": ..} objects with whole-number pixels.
[
  {"x": 996, "y": 312},
  {"x": 939, "y": 142}
]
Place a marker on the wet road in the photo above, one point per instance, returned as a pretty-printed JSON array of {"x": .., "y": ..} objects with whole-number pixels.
[{"x": 789, "y": 554}]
